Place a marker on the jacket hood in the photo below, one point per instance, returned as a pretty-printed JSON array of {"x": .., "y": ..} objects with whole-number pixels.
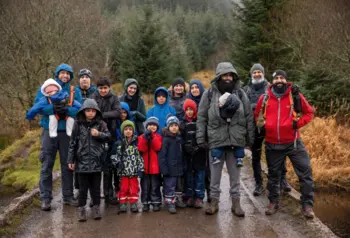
[
  {"x": 200, "y": 85},
  {"x": 89, "y": 103},
  {"x": 65, "y": 67},
  {"x": 224, "y": 68},
  {"x": 161, "y": 89},
  {"x": 47, "y": 83},
  {"x": 125, "y": 106},
  {"x": 130, "y": 81}
]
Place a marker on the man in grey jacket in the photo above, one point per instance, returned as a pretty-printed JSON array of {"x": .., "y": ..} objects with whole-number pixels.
[{"x": 212, "y": 128}]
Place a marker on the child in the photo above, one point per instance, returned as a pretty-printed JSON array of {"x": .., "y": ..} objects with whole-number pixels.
[
  {"x": 161, "y": 108},
  {"x": 228, "y": 104},
  {"x": 125, "y": 115},
  {"x": 129, "y": 165},
  {"x": 85, "y": 155},
  {"x": 150, "y": 144},
  {"x": 194, "y": 157},
  {"x": 171, "y": 162},
  {"x": 54, "y": 95}
]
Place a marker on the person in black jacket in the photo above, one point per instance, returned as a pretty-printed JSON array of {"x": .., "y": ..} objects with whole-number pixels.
[
  {"x": 85, "y": 155},
  {"x": 171, "y": 163},
  {"x": 195, "y": 157},
  {"x": 111, "y": 112}
]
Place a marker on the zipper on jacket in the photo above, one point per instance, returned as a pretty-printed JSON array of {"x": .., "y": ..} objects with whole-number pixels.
[
  {"x": 89, "y": 131},
  {"x": 278, "y": 120}
]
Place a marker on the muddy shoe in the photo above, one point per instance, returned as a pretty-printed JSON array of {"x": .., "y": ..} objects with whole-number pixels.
[
  {"x": 123, "y": 207},
  {"x": 145, "y": 208},
  {"x": 179, "y": 203},
  {"x": 81, "y": 214},
  {"x": 96, "y": 214},
  {"x": 134, "y": 208},
  {"x": 70, "y": 202},
  {"x": 172, "y": 209},
  {"x": 213, "y": 207},
  {"x": 156, "y": 208},
  {"x": 46, "y": 206},
  {"x": 198, "y": 203},
  {"x": 272, "y": 208},
  {"x": 307, "y": 212},
  {"x": 259, "y": 189},
  {"x": 285, "y": 187},
  {"x": 236, "y": 207},
  {"x": 189, "y": 202}
]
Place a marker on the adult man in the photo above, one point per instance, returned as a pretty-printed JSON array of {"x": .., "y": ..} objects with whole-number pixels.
[
  {"x": 85, "y": 87},
  {"x": 49, "y": 146},
  {"x": 132, "y": 96},
  {"x": 237, "y": 132},
  {"x": 277, "y": 111},
  {"x": 257, "y": 87},
  {"x": 111, "y": 111}
]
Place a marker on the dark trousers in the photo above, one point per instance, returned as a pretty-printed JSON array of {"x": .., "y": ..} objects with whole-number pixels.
[
  {"x": 256, "y": 158},
  {"x": 49, "y": 147},
  {"x": 92, "y": 182},
  {"x": 110, "y": 177},
  {"x": 150, "y": 189},
  {"x": 276, "y": 157},
  {"x": 207, "y": 175},
  {"x": 195, "y": 183},
  {"x": 169, "y": 186}
]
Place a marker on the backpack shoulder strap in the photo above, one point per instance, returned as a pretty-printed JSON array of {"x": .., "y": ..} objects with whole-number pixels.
[
  {"x": 71, "y": 96},
  {"x": 210, "y": 94},
  {"x": 264, "y": 103}
]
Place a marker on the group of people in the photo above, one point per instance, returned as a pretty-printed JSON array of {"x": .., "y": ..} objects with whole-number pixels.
[{"x": 180, "y": 144}]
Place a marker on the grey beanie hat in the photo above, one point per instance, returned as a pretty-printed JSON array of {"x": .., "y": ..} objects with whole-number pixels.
[
  {"x": 151, "y": 120},
  {"x": 257, "y": 66}
]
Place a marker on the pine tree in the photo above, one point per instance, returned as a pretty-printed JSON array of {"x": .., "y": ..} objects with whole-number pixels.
[{"x": 144, "y": 53}]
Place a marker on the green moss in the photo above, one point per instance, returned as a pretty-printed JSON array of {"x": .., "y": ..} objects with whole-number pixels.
[
  {"x": 13, "y": 150},
  {"x": 26, "y": 172}
]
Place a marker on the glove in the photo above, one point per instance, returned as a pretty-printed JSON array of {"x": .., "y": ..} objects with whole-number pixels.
[
  {"x": 248, "y": 153},
  {"x": 189, "y": 148},
  {"x": 140, "y": 174},
  {"x": 147, "y": 134},
  {"x": 61, "y": 110},
  {"x": 295, "y": 90},
  {"x": 295, "y": 125}
]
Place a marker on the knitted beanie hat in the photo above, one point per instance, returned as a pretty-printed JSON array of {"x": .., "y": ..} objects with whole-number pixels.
[
  {"x": 257, "y": 67},
  {"x": 151, "y": 121},
  {"x": 125, "y": 124},
  {"x": 172, "y": 120},
  {"x": 279, "y": 73}
]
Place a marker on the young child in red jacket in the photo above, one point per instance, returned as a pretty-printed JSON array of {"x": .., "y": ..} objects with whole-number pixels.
[{"x": 149, "y": 144}]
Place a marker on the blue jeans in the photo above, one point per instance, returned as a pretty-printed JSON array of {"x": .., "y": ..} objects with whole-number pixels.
[
  {"x": 195, "y": 183},
  {"x": 49, "y": 148}
]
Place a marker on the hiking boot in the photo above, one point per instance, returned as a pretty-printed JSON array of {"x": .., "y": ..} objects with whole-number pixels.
[
  {"x": 123, "y": 207},
  {"x": 285, "y": 187},
  {"x": 213, "y": 207},
  {"x": 272, "y": 208},
  {"x": 96, "y": 214},
  {"x": 172, "y": 208},
  {"x": 145, "y": 208},
  {"x": 190, "y": 202},
  {"x": 239, "y": 162},
  {"x": 179, "y": 203},
  {"x": 81, "y": 214},
  {"x": 134, "y": 208},
  {"x": 46, "y": 206},
  {"x": 113, "y": 202},
  {"x": 198, "y": 203},
  {"x": 70, "y": 202},
  {"x": 156, "y": 208},
  {"x": 259, "y": 189},
  {"x": 236, "y": 207},
  {"x": 307, "y": 212}
]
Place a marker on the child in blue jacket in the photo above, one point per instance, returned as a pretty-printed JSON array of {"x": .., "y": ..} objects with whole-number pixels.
[
  {"x": 53, "y": 95},
  {"x": 161, "y": 108}
]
